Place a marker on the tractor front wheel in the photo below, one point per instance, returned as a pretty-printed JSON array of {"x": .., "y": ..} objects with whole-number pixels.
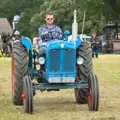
[
  {"x": 93, "y": 98},
  {"x": 27, "y": 95}
]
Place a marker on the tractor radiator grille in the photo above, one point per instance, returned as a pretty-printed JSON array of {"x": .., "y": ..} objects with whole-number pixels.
[
  {"x": 61, "y": 60},
  {"x": 55, "y": 61},
  {"x": 68, "y": 61}
]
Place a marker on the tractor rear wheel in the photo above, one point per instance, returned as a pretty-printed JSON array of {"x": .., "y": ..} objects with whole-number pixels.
[
  {"x": 84, "y": 51},
  {"x": 19, "y": 69}
]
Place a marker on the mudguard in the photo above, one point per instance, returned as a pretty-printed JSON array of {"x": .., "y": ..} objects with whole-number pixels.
[
  {"x": 78, "y": 42},
  {"x": 27, "y": 43}
]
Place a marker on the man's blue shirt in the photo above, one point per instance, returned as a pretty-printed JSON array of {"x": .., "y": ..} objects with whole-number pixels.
[{"x": 54, "y": 33}]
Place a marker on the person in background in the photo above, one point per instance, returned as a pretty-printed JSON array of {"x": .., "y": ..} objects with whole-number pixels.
[
  {"x": 16, "y": 20},
  {"x": 94, "y": 45}
]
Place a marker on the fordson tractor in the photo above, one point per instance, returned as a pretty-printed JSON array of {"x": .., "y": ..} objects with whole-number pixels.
[{"x": 59, "y": 64}]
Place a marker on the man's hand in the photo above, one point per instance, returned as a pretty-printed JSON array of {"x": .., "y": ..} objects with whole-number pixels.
[
  {"x": 38, "y": 38},
  {"x": 35, "y": 43}
]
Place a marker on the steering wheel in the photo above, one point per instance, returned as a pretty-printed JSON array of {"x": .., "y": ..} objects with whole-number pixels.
[{"x": 51, "y": 35}]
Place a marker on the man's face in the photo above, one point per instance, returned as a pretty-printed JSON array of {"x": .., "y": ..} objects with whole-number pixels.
[{"x": 49, "y": 19}]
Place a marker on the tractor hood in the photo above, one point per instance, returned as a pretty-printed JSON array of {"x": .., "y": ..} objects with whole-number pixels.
[{"x": 56, "y": 44}]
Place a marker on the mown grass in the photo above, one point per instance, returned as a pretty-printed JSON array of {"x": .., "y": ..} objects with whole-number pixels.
[{"x": 61, "y": 105}]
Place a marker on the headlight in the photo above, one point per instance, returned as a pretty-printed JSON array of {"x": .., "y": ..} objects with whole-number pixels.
[
  {"x": 41, "y": 60},
  {"x": 80, "y": 60}
]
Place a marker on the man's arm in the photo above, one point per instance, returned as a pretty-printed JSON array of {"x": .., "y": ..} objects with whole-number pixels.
[
  {"x": 61, "y": 35},
  {"x": 42, "y": 30},
  {"x": 39, "y": 31}
]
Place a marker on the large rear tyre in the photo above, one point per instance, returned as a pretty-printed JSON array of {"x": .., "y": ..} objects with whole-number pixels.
[
  {"x": 19, "y": 69},
  {"x": 81, "y": 95},
  {"x": 84, "y": 51}
]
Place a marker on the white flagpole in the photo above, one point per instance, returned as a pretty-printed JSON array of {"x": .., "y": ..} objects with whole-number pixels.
[{"x": 83, "y": 22}]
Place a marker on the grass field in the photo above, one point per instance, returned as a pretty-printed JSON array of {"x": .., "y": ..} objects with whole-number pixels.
[{"x": 61, "y": 105}]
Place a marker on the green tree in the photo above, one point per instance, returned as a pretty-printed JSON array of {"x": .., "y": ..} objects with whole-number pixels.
[{"x": 98, "y": 12}]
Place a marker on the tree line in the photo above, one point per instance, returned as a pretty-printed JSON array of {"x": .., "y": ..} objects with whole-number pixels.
[{"x": 98, "y": 12}]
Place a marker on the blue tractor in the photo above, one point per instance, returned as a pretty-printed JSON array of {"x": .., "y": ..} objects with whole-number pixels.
[{"x": 60, "y": 64}]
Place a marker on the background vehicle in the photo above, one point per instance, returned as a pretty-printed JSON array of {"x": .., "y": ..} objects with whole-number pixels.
[{"x": 110, "y": 40}]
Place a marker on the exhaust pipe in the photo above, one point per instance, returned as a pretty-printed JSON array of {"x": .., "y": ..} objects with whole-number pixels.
[{"x": 74, "y": 27}]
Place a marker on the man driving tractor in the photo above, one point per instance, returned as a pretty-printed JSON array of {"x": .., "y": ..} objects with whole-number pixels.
[{"x": 49, "y": 31}]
